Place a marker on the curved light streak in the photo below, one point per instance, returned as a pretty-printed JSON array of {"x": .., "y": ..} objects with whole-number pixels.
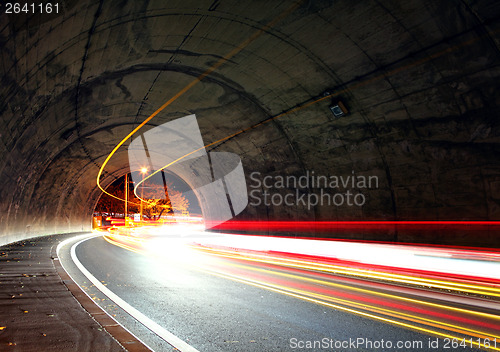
[
  {"x": 337, "y": 269},
  {"x": 297, "y": 108},
  {"x": 456, "y": 324},
  {"x": 219, "y": 63},
  {"x": 373, "y": 292},
  {"x": 340, "y": 307},
  {"x": 326, "y": 96}
]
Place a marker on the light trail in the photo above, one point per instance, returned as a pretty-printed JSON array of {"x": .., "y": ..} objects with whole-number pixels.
[
  {"x": 268, "y": 274},
  {"x": 235, "y": 51},
  {"x": 316, "y": 299},
  {"x": 214, "y": 67},
  {"x": 371, "y": 292},
  {"x": 361, "y": 307},
  {"x": 362, "y": 273},
  {"x": 364, "y": 306},
  {"x": 277, "y": 225},
  {"x": 315, "y": 101},
  {"x": 352, "y": 291},
  {"x": 173, "y": 340}
]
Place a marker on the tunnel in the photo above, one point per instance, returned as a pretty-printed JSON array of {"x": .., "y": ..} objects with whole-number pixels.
[
  {"x": 404, "y": 92},
  {"x": 297, "y": 174}
]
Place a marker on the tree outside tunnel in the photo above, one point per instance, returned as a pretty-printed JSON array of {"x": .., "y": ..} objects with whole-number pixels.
[{"x": 157, "y": 200}]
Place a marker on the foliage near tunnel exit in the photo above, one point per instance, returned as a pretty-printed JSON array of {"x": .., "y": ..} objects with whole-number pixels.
[{"x": 157, "y": 200}]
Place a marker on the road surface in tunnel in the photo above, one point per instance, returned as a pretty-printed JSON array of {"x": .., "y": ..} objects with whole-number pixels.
[{"x": 213, "y": 301}]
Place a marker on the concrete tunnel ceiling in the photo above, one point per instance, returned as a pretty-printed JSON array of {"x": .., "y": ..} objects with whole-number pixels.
[{"x": 419, "y": 78}]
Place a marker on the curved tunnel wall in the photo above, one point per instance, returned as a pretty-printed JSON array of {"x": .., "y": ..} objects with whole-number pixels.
[{"x": 419, "y": 79}]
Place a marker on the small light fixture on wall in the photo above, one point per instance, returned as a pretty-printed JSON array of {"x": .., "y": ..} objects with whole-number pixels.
[{"x": 338, "y": 109}]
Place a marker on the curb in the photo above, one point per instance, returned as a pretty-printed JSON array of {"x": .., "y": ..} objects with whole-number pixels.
[{"x": 115, "y": 329}]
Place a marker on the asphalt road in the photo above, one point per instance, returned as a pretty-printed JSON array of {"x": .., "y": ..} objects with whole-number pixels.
[{"x": 202, "y": 302}]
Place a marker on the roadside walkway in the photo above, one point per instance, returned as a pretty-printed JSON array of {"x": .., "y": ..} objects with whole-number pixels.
[{"x": 39, "y": 310}]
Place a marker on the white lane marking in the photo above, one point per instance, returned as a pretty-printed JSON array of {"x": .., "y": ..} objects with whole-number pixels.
[
  {"x": 147, "y": 322},
  {"x": 88, "y": 237}
]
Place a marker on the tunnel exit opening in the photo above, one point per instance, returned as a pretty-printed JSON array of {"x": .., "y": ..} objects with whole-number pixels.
[{"x": 160, "y": 199}]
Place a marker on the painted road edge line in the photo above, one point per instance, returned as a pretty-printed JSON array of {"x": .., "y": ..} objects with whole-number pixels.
[
  {"x": 88, "y": 237},
  {"x": 143, "y": 319}
]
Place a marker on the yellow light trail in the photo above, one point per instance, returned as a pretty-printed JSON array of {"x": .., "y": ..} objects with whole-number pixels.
[
  {"x": 358, "y": 308},
  {"x": 219, "y": 63},
  {"x": 235, "y": 51},
  {"x": 346, "y": 309},
  {"x": 384, "y": 311},
  {"x": 427, "y": 321},
  {"x": 313, "y": 102},
  {"x": 112, "y": 241},
  {"x": 448, "y": 285},
  {"x": 370, "y": 292},
  {"x": 395, "y": 314}
]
